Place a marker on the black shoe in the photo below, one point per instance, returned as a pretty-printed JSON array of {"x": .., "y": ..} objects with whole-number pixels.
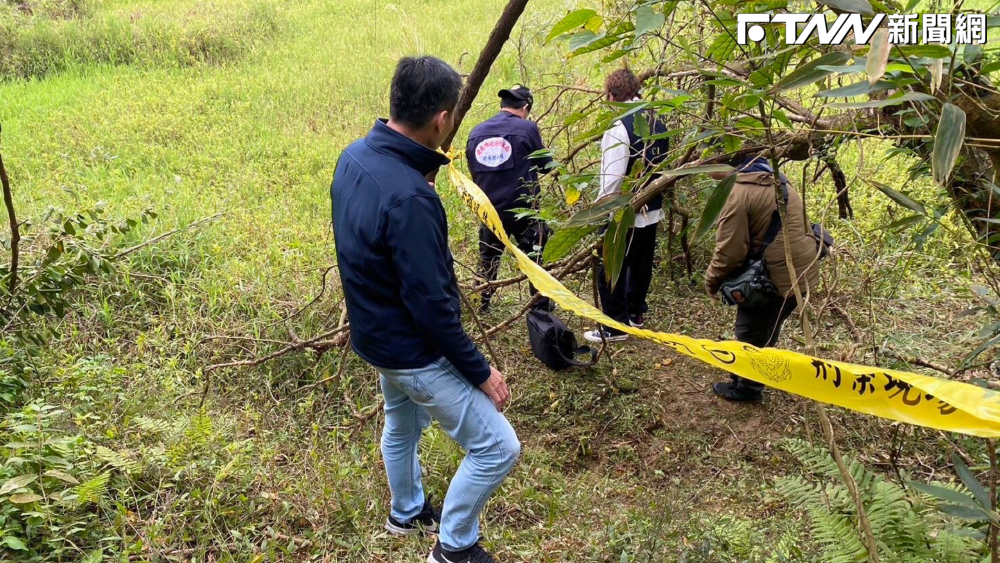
[
  {"x": 474, "y": 554},
  {"x": 728, "y": 391},
  {"x": 426, "y": 522},
  {"x": 635, "y": 321}
]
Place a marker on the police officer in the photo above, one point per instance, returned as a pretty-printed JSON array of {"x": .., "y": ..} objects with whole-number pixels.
[{"x": 498, "y": 155}]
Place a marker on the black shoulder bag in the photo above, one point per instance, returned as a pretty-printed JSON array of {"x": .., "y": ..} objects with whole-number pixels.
[
  {"x": 554, "y": 343},
  {"x": 751, "y": 285}
]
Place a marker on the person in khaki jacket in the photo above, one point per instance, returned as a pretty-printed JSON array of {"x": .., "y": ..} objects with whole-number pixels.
[{"x": 742, "y": 227}]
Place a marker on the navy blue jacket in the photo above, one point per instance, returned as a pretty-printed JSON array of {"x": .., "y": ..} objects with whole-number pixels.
[
  {"x": 398, "y": 276},
  {"x": 497, "y": 153}
]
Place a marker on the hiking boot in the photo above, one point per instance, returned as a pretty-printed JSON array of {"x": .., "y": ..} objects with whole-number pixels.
[
  {"x": 426, "y": 522},
  {"x": 730, "y": 392},
  {"x": 595, "y": 336},
  {"x": 635, "y": 321},
  {"x": 474, "y": 554}
]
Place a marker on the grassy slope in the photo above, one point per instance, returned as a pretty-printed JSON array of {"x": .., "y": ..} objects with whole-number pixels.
[{"x": 632, "y": 458}]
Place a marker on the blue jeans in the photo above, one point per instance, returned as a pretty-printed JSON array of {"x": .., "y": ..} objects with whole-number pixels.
[{"x": 412, "y": 398}]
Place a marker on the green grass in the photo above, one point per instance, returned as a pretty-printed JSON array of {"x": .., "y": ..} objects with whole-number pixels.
[{"x": 192, "y": 108}]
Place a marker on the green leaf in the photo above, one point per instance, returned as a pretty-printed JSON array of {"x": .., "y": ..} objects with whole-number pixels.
[
  {"x": 893, "y": 101},
  {"x": 929, "y": 51},
  {"x": 646, "y": 20},
  {"x": 965, "y": 512},
  {"x": 583, "y": 38},
  {"x": 854, "y": 6},
  {"x": 564, "y": 241},
  {"x": 970, "y": 482},
  {"x": 899, "y": 198},
  {"x": 703, "y": 169},
  {"x": 572, "y": 21},
  {"x": 947, "y": 142},
  {"x": 856, "y": 89},
  {"x": 641, "y": 126},
  {"x": 808, "y": 73},
  {"x": 942, "y": 493},
  {"x": 990, "y": 68},
  {"x": 980, "y": 349},
  {"x": 714, "y": 206},
  {"x": 615, "y": 243},
  {"x": 14, "y": 543},
  {"x": 16, "y": 483},
  {"x": 904, "y": 222},
  {"x": 598, "y": 212}
]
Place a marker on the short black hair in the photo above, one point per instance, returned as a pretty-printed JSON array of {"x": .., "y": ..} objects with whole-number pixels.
[
  {"x": 512, "y": 103},
  {"x": 422, "y": 87}
]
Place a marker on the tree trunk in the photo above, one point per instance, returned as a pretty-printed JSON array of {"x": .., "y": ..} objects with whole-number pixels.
[
  {"x": 15, "y": 233},
  {"x": 495, "y": 43}
]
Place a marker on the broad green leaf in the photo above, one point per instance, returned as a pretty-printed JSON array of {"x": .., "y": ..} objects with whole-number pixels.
[
  {"x": 16, "y": 483},
  {"x": 722, "y": 47},
  {"x": 572, "y": 21},
  {"x": 716, "y": 201},
  {"x": 965, "y": 512},
  {"x": 646, "y": 20},
  {"x": 615, "y": 244},
  {"x": 990, "y": 68},
  {"x": 899, "y": 198},
  {"x": 878, "y": 56},
  {"x": 947, "y": 142},
  {"x": 24, "y": 498},
  {"x": 583, "y": 38},
  {"x": 62, "y": 476},
  {"x": 929, "y": 51},
  {"x": 853, "y": 6},
  {"x": 599, "y": 212},
  {"x": 604, "y": 40},
  {"x": 856, "y": 89},
  {"x": 808, "y": 73},
  {"x": 970, "y": 482},
  {"x": 641, "y": 125},
  {"x": 941, "y": 493},
  {"x": 893, "y": 101},
  {"x": 704, "y": 169},
  {"x": 14, "y": 543}
]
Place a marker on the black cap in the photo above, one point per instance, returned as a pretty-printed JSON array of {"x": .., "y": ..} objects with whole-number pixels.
[{"x": 517, "y": 92}]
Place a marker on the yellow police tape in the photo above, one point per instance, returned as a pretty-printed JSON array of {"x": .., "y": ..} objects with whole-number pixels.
[{"x": 895, "y": 395}]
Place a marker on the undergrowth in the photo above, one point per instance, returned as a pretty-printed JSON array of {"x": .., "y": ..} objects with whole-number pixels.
[{"x": 40, "y": 41}]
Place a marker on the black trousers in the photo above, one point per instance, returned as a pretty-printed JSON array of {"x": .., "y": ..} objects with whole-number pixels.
[
  {"x": 629, "y": 295},
  {"x": 526, "y": 234},
  {"x": 761, "y": 326}
]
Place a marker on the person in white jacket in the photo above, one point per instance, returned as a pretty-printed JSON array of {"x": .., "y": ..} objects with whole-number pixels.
[{"x": 621, "y": 149}]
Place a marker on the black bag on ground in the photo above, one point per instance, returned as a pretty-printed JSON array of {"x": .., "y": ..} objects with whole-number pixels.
[{"x": 554, "y": 343}]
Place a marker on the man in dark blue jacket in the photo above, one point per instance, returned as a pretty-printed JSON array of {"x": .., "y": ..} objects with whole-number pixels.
[
  {"x": 391, "y": 234},
  {"x": 498, "y": 153}
]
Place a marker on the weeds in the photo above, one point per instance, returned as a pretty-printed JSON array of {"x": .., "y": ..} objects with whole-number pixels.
[{"x": 33, "y": 46}]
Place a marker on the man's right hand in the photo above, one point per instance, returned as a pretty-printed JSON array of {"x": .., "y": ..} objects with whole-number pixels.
[{"x": 496, "y": 389}]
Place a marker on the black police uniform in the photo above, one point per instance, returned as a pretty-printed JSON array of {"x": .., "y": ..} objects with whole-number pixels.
[{"x": 497, "y": 153}]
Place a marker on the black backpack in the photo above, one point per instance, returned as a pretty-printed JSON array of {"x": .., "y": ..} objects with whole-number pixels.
[{"x": 554, "y": 343}]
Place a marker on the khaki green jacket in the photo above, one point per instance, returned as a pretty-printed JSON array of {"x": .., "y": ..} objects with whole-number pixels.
[{"x": 742, "y": 226}]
